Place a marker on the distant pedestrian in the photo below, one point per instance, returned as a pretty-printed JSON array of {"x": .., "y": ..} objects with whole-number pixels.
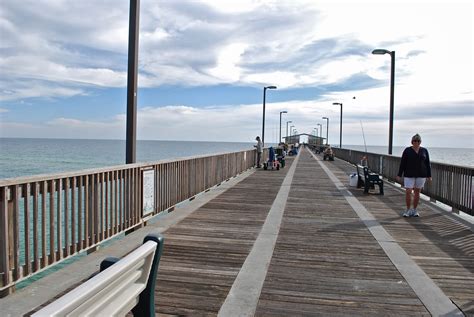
[
  {"x": 416, "y": 168},
  {"x": 259, "y": 147}
]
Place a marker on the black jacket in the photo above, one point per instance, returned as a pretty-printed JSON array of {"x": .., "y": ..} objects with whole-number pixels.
[{"x": 415, "y": 164}]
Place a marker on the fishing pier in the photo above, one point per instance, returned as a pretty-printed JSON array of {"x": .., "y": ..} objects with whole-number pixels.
[{"x": 241, "y": 241}]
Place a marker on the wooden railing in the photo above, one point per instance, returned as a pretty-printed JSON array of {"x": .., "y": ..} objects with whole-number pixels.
[
  {"x": 47, "y": 218},
  {"x": 451, "y": 185}
]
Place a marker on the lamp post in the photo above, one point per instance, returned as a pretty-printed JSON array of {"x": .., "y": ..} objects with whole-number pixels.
[
  {"x": 392, "y": 88},
  {"x": 340, "y": 124},
  {"x": 279, "y": 140},
  {"x": 132, "y": 74},
  {"x": 320, "y": 130},
  {"x": 263, "y": 119},
  {"x": 327, "y": 130},
  {"x": 287, "y": 130},
  {"x": 316, "y": 130}
]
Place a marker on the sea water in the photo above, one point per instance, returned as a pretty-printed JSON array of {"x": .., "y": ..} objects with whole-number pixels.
[{"x": 25, "y": 157}]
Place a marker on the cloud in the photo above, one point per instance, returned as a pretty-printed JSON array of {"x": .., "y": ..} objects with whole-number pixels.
[
  {"x": 30, "y": 88},
  {"x": 207, "y": 43},
  {"x": 63, "y": 49}
]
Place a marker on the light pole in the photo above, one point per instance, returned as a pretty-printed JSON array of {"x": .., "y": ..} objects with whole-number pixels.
[
  {"x": 340, "y": 124},
  {"x": 132, "y": 75},
  {"x": 287, "y": 130},
  {"x": 327, "y": 130},
  {"x": 316, "y": 130},
  {"x": 320, "y": 131},
  {"x": 263, "y": 119},
  {"x": 279, "y": 140},
  {"x": 392, "y": 88},
  {"x": 291, "y": 133}
]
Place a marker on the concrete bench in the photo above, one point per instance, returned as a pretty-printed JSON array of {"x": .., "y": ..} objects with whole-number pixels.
[
  {"x": 368, "y": 179},
  {"x": 121, "y": 286}
]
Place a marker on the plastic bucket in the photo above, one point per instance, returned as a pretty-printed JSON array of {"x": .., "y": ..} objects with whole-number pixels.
[{"x": 353, "y": 180}]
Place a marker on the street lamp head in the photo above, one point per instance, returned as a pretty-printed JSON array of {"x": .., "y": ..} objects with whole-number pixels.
[
  {"x": 379, "y": 51},
  {"x": 337, "y": 103},
  {"x": 325, "y": 118},
  {"x": 284, "y": 111},
  {"x": 289, "y": 121},
  {"x": 271, "y": 87}
]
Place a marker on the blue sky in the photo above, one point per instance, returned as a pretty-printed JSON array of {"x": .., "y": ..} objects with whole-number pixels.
[{"x": 203, "y": 66}]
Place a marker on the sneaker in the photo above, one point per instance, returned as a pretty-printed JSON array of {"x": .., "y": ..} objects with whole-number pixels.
[
  {"x": 406, "y": 213},
  {"x": 414, "y": 213}
]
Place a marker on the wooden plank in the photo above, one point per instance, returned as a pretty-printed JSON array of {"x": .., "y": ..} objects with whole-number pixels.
[
  {"x": 107, "y": 220},
  {"x": 80, "y": 213},
  {"x": 44, "y": 252},
  {"x": 36, "y": 221},
  {"x": 67, "y": 228},
  {"x": 26, "y": 224},
  {"x": 86, "y": 241},
  {"x": 59, "y": 220},
  {"x": 4, "y": 237},
  {"x": 16, "y": 232},
  {"x": 74, "y": 224}
]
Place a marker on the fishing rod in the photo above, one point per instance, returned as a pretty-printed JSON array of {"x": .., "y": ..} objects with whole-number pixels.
[{"x": 365, "y": 145}]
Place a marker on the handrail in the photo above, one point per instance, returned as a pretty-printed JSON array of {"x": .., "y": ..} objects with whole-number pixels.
[
  {"x": 45, "y": 219},
  {"x": 451, "y": 185}
]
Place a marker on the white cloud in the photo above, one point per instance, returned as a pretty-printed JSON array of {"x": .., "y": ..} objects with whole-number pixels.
[
  {"x": 227, "y": 61},
  {"x": 23, "y": 89},
  {"x": 60, "y": 48}
]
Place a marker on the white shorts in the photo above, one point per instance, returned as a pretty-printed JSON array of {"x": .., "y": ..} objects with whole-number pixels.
[{"x": 414, "y": 182}]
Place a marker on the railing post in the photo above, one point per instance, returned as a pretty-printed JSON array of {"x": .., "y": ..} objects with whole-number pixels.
[{"x": 5, "y": 238}]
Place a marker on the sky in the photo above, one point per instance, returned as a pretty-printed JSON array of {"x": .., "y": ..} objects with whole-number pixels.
[{"x": 203, "y": 66}]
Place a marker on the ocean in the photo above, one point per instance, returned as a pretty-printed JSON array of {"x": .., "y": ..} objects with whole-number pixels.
[
  {"x": 453, "y": 156},
  {"x": 25, "y": 157}
]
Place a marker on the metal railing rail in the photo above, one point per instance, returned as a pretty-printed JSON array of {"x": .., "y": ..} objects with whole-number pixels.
[
  {"x": 451, "y": 185},
  {"x": 45, "y": 219}
]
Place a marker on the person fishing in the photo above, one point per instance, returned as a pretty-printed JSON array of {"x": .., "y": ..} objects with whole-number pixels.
[{"x": 259, "y": 147}]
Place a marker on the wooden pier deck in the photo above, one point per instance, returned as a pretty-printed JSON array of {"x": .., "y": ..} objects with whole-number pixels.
[
  {"x": 325, "y": 261},
  {"x": 300, "y": 242}
]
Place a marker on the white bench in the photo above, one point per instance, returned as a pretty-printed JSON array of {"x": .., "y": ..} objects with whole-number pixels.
[{"x": 121, "y": 286}]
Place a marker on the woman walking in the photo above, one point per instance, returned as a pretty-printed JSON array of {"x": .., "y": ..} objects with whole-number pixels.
[{"x": 416, "y": 168}]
